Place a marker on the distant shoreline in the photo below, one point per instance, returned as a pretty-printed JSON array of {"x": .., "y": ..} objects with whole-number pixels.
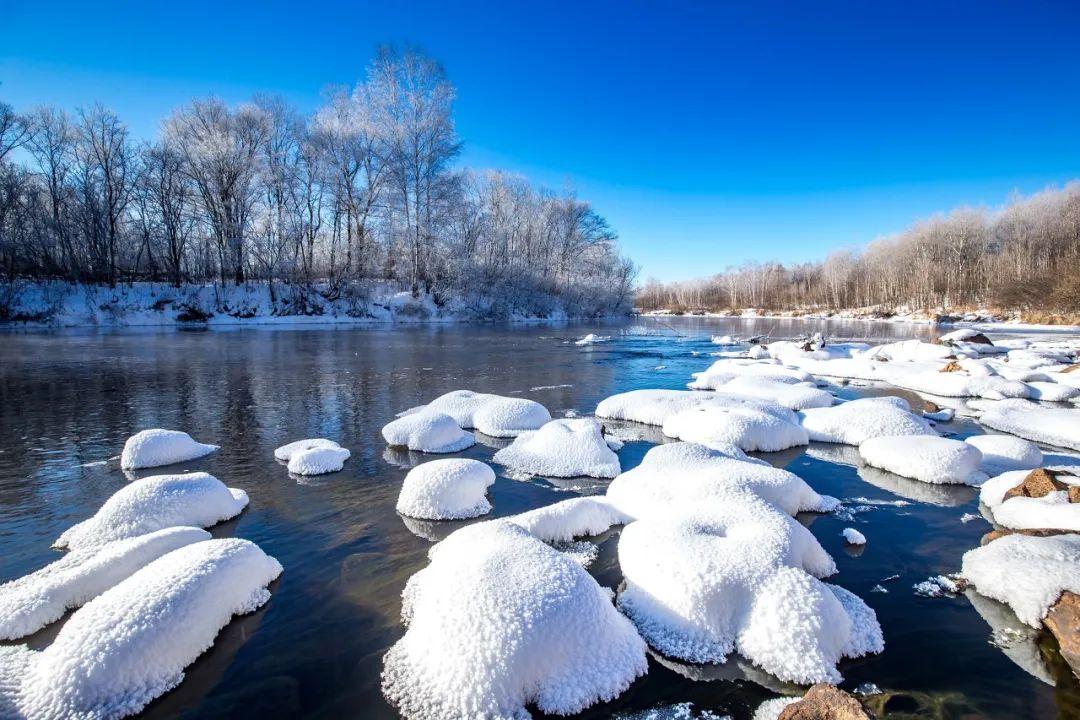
[{"x": 967, "y": 319}]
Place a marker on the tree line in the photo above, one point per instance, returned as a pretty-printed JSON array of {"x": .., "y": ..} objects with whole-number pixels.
[
  {"x": 363, "y": 189},
  {"x": 1022, "y": 257}
]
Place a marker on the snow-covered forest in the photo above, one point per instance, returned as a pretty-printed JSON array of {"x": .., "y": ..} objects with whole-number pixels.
[
  {"x": 363, "y": 192},
  {"x": 1022, "y": 257}
]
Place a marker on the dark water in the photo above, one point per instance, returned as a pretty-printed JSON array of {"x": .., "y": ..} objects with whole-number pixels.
[{"x": 68, "y": 400}]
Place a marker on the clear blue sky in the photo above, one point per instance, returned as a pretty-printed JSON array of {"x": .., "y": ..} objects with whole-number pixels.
[{"x": 708, "y": 133}]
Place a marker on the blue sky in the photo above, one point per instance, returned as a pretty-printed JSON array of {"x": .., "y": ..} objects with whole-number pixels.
[{"x": 708, "y": 133}]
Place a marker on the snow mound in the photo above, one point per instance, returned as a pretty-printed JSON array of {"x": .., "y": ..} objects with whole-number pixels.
[
  {"x": 652, "y": 407},
  {"x": 1051, "y": 511},
  {"x": 592, "y": 339},
  {"x": 1050, "y": 425},
  {"x": 752, "y": 427},
  {"x": 856, "y": 421},
  {"x": 160, "y": 501},
  {"x": 499, "y": 621},
  {"x": 1051, "y": 391},
  {"x": 1026, "y": 573},
  {"x": 509, "y": 417},
  {"x": 151, "y": 448},
  {"x": 452, "y": 489},
  {"x": 689, "y": 474},
  {"x": 724, "y": 371},
  {"x": 427, "y": 431},
  {"x": 853, "y": 536},
  {"x": 794, "y": 396},
  {"x": 40, "y": 598},
  {"x": 741, "y": 576},
  {"x": 318, "y": 460},
  {"x": 285, "y": 452},
  {"x": 771, "y": 709},
  {"x": 458, "y": 404},
  {"x": 562, "y": 448},
  {"x": 566, "y": 520},
  {"x": 131, "y": 644},
  {"x": 927, "y": 458},
  {"x": 1002, "y": 453}
]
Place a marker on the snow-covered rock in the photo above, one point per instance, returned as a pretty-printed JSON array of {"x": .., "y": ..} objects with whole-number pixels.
[
  {"x": 724, "y": 371},
  {"x": 285, "y": 452},
  {"x": 592, "y": 339},
  {"x": 42, "y": 597},
  {"x": 160, "y": 501},
  {"x": 652, "y": 407},
  {"x": 458, "y": 404},
  {"x": 1051, "y": 511},
  {"x": 741, "y": 576},
  {"x": 430, "y": 432},
  {"x": 1002, "y": 453},
  {"x": 794, "y": 396},
  {"x": 152, "y": 448},
  {"x": 562, "y": 448},
  {"x": 563, "y": 521},
  {"x": 1026, "y": 573},
  {"x": 452, "y": 489},
  {"x": 500, "y": 621},
  {"x": 1050, "y": 425},
  {"x": 856, "y": 421},
  {"x": 853, "y": 536},
  {"x": 131, "y": 644},
  {"x": 509, "y": 417},
  {"x": 693, "y": 475},
  {"x": 318, "y": 460},
  {"x": 1051, "y": 391},
  {"x": 752, "y": 427},
  {"x": 926, "y": 458}
]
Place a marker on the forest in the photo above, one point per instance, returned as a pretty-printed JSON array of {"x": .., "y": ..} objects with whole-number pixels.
[
  {"x": 363, "y": 190},
  {"x": 1023, "y": 257}
]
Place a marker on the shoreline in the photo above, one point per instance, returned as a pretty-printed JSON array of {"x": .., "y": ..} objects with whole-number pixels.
[{"x": 979, "y": 323}]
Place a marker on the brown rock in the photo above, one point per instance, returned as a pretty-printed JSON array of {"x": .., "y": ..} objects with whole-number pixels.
[
  {"x": 929, "y": 407},
  {"x": 1063, "y": 622},
  {"x": 1074, "y": 493},
  {"x": 951, "y": 366},
  {"x": 1072, "y": 368},
  {"x": 1038, "y": 483},
  {"x": 978, "y": 339},
  {"x": 826, "y": 702},
  {"x": 1034, "y": 532}
]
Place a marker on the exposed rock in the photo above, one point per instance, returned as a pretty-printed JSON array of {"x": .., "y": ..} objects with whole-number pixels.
[
  {"x": 951, "y": 366},
  {"x": 929, "y": 407},
  {"x": 1072, "y": 368},
  {"x": 826, "y": 702},
  {"x": 1041, "y": 482},
  {"x": 978, "y": 339},
  {"x": 1033, "y": 532},
  {"x": 1063, "y": 621}
]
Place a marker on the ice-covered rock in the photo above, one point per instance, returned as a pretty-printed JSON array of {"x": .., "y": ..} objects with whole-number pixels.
[
  {"x": 427, "y": 431},
  {"x": 42, "y": 597},
  {"x": 458, "y": 404},
  {"x": 794, "y": 396},
  {"x": 285, "y": 452},
  {"x": 759, "y": 426},
  {"x": 569, "y": 519},
  {"x": 724, "y": 371},
  {"x": 1002, "y": 453},
  {"x": 652, "y": 407},
  {"x": 509, "y": 417},
  {"x": 853, "y": 536},
  {"x": 856, "y": 421},
  {"x": 926, "y": 458},
  {"x": 152, "y": 448},
  {"x": 131, "y": 644},
  {"x": 741, "y": 576},
  {"x": 452, "y": 489},
  {"x": 592, "y": 339},
  {"x": 318, "y": 460},
  {"x": 562, "y": 448},
  {"x": 1050, "y": 425},
  {"x": 500, "y": 621},
  {"x": 1051, "y": 510},
  {"x": 1026, "y": 573},
  {"x": 160, "y": 501}
]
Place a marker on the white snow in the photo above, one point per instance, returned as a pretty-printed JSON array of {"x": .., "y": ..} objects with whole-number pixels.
[
  {"x": 285, "y": 452},
  {"x": 1050, "y": 425},
  {"x": 458, "y": 404},
  {"x": 318, "y": 460},
  {"x": 853, "y": 536},
  {"x": 499, "y": 621},
  {"x": 1002, "y": 453},
  {"x": 427, "y": 431},
  {"x": 152, "y": 448},
  {"x": 752, "y": 427},
  {"x": 131, "y": 644},
  {"x": 651, "y": 407},
  {"x": 1051, "y": 511},
  {"x": 856, "y": 421},
  {"x": 1026, "y": 573},
  {"x": 771, "y": 709},
  {"x": 562, "y": 448},
  {"x": 723, "y": 371},
  {"x": 741, "y": 576},
  {"x": 160, "y": 501},
  {"x": 592, "y": 339},
  {"x": 569, "y": 519},
  {"x": 926, "y": 458},
  {"x": 452, "y": 489},
  {"x": 794, "y": 396},
  {"x": 42, "y": 597},
  {"x": 509, "y": 417}
]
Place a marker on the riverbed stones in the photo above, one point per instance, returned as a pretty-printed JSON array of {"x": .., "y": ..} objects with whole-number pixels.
[
  {"x": 1041, "y": 482},
  {"x": 826, "y": 702},
  {"x": 1063, "y": 622}
]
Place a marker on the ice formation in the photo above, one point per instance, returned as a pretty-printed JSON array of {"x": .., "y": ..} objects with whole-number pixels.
[
  {"x": 856, "y": 421},
  {"x": 1026, "y": 573},
  {"x": 285, "y": 452},
  {"x": 499, "y": 621},
  {"x": 853, "y": 536},
  {"x": 759, "y": 426},
  {"x": 1050, "y": 425},
  {"x": 427, "y": 431},
  {"x": 1002, "y": 453},
  {"x": 562, "y": 448},
  {"x": 318, "y": 460},
  {"x": 592, "y": 339},
  {"x": 42, "y": 597},
  {"x": 927, "y": 458},
  {"x": 131, "y": 644},
  {"x": 151, "y": 448},
  {"x": 452, "y": 489},
  {"x": 160, "y": 501},
  {"x": 1051, "y": 511}
]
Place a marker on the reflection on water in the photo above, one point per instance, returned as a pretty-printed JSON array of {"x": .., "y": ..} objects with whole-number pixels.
[{"x": 68, "y": 400}]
